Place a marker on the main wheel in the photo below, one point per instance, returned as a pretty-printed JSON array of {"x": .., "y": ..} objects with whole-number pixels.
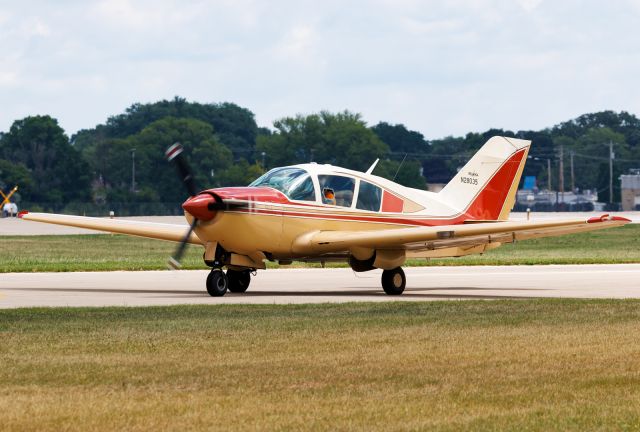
[
  {"x": 238, "y": 280},
  {"x": 393, "y": 281},
  {"x": 217, "y": 283}
]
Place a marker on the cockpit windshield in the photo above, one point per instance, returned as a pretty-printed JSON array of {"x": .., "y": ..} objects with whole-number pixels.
[{"x": 295, "y": 183}]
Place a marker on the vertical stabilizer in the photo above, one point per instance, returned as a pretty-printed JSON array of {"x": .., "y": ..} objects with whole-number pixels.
[{"x": 485, "y": 188}]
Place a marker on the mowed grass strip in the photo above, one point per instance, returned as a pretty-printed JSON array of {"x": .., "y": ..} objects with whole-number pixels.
[
  {"x": 492, "y": 365},
  {"x": 117, "y": 252}
]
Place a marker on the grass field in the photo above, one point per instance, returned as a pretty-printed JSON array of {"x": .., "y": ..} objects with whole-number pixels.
[
  {"x": 115, "y": 252},
  {"x": 498, "y": 365}
]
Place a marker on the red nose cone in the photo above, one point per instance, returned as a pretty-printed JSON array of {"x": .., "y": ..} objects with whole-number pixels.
[{"x": 198, "y": 206}]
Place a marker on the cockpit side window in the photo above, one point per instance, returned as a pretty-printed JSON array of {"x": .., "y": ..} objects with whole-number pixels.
[
  {"x": 369, "y": 197},
  {"x": 336, "y": 190},
  {"x": 303, "y": 190}
]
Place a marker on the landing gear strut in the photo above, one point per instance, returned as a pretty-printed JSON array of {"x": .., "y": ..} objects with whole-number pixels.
[
  {"x": 393, "y": 281},
  {"x": 238, "y": 280}
]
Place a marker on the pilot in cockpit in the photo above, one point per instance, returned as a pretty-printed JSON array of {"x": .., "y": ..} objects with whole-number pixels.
[{"x": 328, "y": 196}]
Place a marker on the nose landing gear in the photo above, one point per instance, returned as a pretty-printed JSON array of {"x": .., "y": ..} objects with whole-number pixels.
[
  {"x": 239, "y": 280},
  {"x": 235, "y": 281}
]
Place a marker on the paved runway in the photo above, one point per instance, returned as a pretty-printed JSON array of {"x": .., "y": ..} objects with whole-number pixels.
[{"x": 320, "y": 285}]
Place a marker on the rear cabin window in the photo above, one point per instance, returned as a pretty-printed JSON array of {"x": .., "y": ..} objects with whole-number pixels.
[
  {"x": 391, "y": 203},
  {"x": 336, "y": 190},
  {"x": 369, "y": 197}
]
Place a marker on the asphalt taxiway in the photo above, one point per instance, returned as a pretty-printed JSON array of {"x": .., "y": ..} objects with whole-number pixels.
[{"x": 285, "y": 286}]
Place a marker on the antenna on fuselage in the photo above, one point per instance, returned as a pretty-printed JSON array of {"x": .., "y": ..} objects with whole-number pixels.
[
  {"x": 399, "y": 166},
  {"x": 373, "y": 165}
]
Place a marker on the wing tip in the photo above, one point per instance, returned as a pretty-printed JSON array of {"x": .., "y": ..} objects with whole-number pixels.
[
  {"x": 22, "y": 213},
  {"x": 607, "y": 218}
]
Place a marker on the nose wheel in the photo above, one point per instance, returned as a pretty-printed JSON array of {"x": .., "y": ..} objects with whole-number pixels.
[
  {"x": 393, "y": 281},
  {"x": 217, "y": 283},
  {"x": 239, "y": 280}
]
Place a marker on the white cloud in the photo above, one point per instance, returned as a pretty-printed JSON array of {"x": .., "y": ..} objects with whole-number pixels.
[
  {"x": 443, "y": 67},
  {"x": 297, "y": 44},
  {"x": 529, "y": 5},
  {"x": 36, "y": 27}
]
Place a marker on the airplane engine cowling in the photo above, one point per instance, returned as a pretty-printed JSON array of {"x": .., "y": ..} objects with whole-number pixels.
[{"x": 201, "y": 206}]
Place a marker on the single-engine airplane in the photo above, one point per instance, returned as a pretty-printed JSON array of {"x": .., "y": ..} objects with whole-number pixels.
[{"x": 319, "y": 213}]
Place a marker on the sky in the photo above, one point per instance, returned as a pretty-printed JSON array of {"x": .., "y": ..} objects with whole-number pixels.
[{"x": 439, "y": 67}]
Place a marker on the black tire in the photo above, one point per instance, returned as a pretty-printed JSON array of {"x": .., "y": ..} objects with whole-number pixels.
[
  {"x": 238, "y": 280},
  {"x": 393, "y": 281},
  {"x": 217, "y": 283}
]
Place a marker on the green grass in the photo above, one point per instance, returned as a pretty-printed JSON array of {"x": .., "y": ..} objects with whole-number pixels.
[
  {"x": 493, "y": 365},
  {"x": 116, "y": 252}
]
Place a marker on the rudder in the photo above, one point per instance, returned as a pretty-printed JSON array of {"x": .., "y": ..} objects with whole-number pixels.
[{"x": 485, "y": 188}]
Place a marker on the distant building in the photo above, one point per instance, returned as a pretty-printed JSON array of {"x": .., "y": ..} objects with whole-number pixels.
[
  {"x": 630, "y": 185},
  {"x": 530, "y": 197}
]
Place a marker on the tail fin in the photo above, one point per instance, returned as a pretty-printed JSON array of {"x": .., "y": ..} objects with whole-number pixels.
[{"x": 485, "y": 188}]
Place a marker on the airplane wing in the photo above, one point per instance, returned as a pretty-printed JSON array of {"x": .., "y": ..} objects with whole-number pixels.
[
  {"x": 152, "y": 230},
  {"x": 447, "y": 236}
]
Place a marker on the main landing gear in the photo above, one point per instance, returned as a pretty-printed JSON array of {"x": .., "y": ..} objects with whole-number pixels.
[
  {"x": 235, "y": 281},
  {"x": 393, "y": 281}
]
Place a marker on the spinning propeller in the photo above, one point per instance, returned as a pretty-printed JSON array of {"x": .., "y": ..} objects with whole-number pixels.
[
  {"x": 202, "y": 206},
  {"x": 174, "y": 154}
]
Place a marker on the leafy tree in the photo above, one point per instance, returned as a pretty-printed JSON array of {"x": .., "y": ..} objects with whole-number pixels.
[
  {"x": 447, "y": 155},
  {"x": 623, "y": 123},
  {"x": 12, "y": 174},
  {"x": 401, "y": 140},
  {"x": 341, "y": 139},
  {"x": 57, "y": 171},
  {"x": 234, "y": 126},
  {"x": 406, "y": 173},
  {"x": 592, "y": 160},
  {"x": 240, "y": 174},
  {"x": 155, "y": 178}
]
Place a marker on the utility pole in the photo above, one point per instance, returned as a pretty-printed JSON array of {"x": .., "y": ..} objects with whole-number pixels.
[
  {"x": 611, "y": 156},
  {"x": 573, "y": 177},
  {"x": 561, "y": 174},
  {"x": 549, "y": 174},
  {"x": 133, "y": 170}
]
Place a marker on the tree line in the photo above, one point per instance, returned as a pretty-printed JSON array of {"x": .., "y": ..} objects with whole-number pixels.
[{"x": 225, "y": 146}]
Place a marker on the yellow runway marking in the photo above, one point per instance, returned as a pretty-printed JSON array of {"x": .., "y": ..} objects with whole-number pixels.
[{"x": 2, "y": 295}]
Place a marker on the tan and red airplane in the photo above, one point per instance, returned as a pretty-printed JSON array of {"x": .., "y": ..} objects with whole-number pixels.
[{"x": 319, "y": 213}]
